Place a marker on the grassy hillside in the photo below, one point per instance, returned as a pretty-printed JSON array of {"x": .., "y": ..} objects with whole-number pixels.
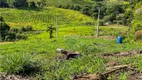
[{"x": 17, "y": 17}]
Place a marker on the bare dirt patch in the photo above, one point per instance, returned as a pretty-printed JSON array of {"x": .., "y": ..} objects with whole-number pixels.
[
  {"x": 13, "y": 77},
  {"x": 6, "y": 42},
  {"x": 101, "y": 37}
]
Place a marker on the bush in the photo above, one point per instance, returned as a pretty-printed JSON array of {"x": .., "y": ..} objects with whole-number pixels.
[
  {"x": 4, "y": 28},
  {"x": 26, "y": 28},
  {"x": 127, "y": 17},
  {"x": 32, "y": 68},
  {"x": 1, "y": 19},
  {"x": 138, "y": 35},
  {"x": 21, "y": 36},
  {"x": 18, "y": 63},
  {"x": 14, "y": 30},
  {"x": 20, "y": 3},
  {"x": 32, "y": 4},
  {"x": 137, "y": 25},
  {"x": 59, "y": 6},
  {"x": 11, "y": 36},
  {"x": 3, "y": 4},
  {"x": 14, "y": 63}
]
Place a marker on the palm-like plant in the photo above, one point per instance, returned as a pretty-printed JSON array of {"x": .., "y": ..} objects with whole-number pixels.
[{"x": 50, "y": 29}]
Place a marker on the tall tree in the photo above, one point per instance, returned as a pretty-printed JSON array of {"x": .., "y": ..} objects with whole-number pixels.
[{"x": 20, "y": 3}]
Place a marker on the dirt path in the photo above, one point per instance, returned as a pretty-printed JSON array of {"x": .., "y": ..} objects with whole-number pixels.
[
  {"x": 101, "y": 37},
  {"x": 6, "y": 42}
]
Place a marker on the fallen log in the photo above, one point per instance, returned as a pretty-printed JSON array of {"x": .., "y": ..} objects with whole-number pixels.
[{"x": 69, "y": 54}]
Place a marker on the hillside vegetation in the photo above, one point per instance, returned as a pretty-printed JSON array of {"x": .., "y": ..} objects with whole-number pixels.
[
  {"x": 19, "y": 17},
  {"x": 57, "y": 39}
]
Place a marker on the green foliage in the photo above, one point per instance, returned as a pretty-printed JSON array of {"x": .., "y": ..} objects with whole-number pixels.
[
  {"x": 123, "y": 76},
  {"x": 70, "y": 41},
  {"x": 50, "y": 29},
  {"x": 47, "y": 64},
  {"x": 4, "y": 28},
  {"x": 67, "y": 69},
  {"x": 1, "y": 18},
  {"x": 11, "y": 36},
  {"x": 136, "y": 23},
  {"x": 3, "y": 3},
  {"x": 39, "y": 18},
  {"x": 20, "y": 3},
  {"x": 21, "y": 36},
  {"x": 26, "y": 28},
  {"x": 127, "y": 17},
  {"x": 135, "y": 61},
  {"x": 14, "y": 63}
]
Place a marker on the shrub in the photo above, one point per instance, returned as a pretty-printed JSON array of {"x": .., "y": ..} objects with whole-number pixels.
[
  {"x": 11, "y": 36},
  {"x": 21, "y": 36},
  {"x": 138, "y": 35},
  {"x": 14, "y": 63},
  {"x": 32, "y": 4},
  {"x": 76, "y": 7},
  {"x": 15, "y": 30},
  {"x": 26, "y": 28},
  {"x": 32, "y": 68},
  {"x": 59, "y": 6},
  {"x": 4, "y": 28},
  {"x": 18, "y": 63},
  {"x": 127, "y": 17},
  {"x": 20, "y": 3},
  {"x": 3, "y": 4},
  {"x": 1, "y": 18},
  {"x": 65, "y": 70},
  {"x": 136, "y": 25}
]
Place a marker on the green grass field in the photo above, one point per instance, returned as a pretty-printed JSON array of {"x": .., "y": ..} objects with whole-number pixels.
[
  {"x": 44, "y": 53},
  {"x": 37, "y": 57}
]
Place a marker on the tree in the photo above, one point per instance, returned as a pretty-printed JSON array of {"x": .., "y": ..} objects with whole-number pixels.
[
  {"x": 50, "y": 29},
  {"x": 1, "y": 19},
  {"x": 3, "y": 3},
  {"x": 20, "y": 3},
  {"x": 4, "y": 28}
]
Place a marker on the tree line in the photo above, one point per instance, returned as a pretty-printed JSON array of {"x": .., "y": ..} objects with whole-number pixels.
[{"x": 22, "y": 3}]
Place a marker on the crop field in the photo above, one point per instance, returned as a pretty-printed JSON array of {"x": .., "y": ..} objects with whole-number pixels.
[
  {"x": 37, "y": 57},
  {"x": 16, "y": 18},
  {"x": 42, "y": 54}
]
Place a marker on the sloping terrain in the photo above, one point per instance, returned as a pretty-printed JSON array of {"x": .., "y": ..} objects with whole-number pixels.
[{"x": 19, "y": 17}]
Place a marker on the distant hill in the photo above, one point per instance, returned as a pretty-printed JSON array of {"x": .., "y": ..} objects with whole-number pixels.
[{"x": 20, "y": 17}]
